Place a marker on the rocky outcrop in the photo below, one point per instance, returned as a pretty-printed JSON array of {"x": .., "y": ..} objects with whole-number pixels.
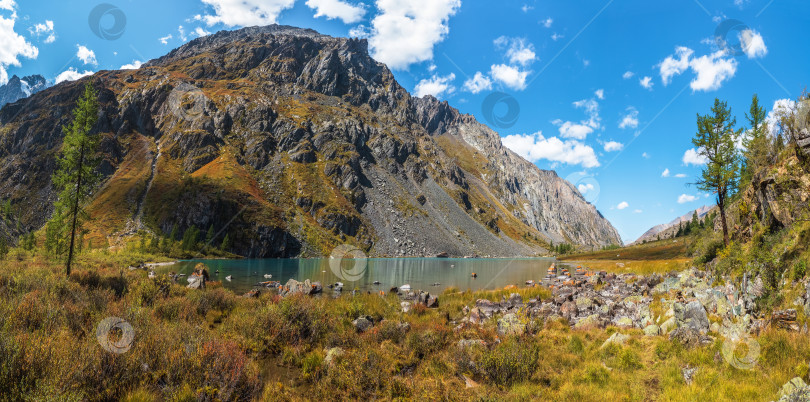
[{"x": 292, "y": 142}]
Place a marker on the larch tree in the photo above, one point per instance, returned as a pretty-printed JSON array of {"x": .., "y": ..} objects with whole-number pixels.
[
  {"x": 75, "y": 176},
  {"x": 716, "y": 141}
]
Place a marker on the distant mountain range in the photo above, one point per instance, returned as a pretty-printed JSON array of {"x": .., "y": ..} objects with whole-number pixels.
[
  {"x": 18, "y": 88},
  {"x": 668, "y": 229}
]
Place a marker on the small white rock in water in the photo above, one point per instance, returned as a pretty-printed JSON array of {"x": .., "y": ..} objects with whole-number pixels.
[
  {"x": 268, "y": 276},
  {"x": 228, "y": 278},
  {"x": 405, "y": 287}
]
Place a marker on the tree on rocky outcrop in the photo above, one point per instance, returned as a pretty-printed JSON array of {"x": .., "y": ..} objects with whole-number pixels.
[
  {"x": 75, "y": 176},
  {"x": 716, "y": 142},
  {"x": 755, "y": 141},
  {"x": 226, "y": 243}
]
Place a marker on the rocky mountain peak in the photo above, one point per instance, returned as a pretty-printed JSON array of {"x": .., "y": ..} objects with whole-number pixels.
[
  {"x": 309, "y": 136},
  {"x": 18, "y": 88}
]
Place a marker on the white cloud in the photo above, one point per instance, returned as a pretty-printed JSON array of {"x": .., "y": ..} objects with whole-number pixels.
[
  {"x": 547, "y": 22},
  {"x": 44, "y": 29},
  {"x": 435, "y": 85},
  {"x": 182, "y": 33},
  {"x": 574, "y": 130},
  {"x": 684, "y": 198},
  {"x": 332, "y": 9},
  {"x": 622, "y": 205},
  {"x": 600, "y": 93},
  {"x": 201, "y": 32},
  {"x": 510, "y": 76},
  {"x": 781, "y": 107},
  {"x": 245, "y": 12},
  {"x": 665, "y": 173},
  {"x": 680, "y": 175},
  {"x": 645, "y": 155},
  {"x": 405, "y": 31},
  {"x": 526, "y": 8},
  {"x": 71, "y": 75},
  {"x": 518, "y": 50},
  {"x": 136, "y": 64},
  {"x": 630, "y": 120},
  {"x": 479, "y": 82},
  {"x": 637, "y": 211},
  {"x": 628, "y": 74},
  {"x": 86, "y": 55},
  {"x": 12, "y": 45},
  {"x": 752, "y": 43},
  {"x": 672, "y": 66},
  {"x": 165, "y": 40},
  {"x": 711, "y": 71},
  {"x": 693, "y": 157},
  {"x": 646, "y": 82},
  {"x": 585, "y": 187},
  {"x": 535, "y": 147},
  {"x": 612, "y": 146},
  {"x": 555, "y": 36}
]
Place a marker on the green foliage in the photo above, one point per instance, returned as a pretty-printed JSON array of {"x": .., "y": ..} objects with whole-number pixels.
[
  {"x": 563, "y": 248},
  {"x": 799, "y": 269},
  {"x": 226, "y": 243},
  {"x": 190, "y": 237},
  {"x": 3, "y": 248},
  {"x": 75, "y": 176},
  {"x": 755, "y": 141}
]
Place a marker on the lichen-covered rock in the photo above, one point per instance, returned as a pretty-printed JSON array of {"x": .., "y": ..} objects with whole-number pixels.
[{"x": 510, "y": 324}]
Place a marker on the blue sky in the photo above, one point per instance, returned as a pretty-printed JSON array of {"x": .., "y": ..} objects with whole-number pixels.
[{"x": 607, "y": 91}]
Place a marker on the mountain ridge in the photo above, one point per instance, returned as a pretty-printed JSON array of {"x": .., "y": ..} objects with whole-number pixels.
[{"x": 309, "y": 142}]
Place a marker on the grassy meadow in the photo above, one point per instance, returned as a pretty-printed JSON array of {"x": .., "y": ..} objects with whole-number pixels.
[{"x": 216, "y": 345}]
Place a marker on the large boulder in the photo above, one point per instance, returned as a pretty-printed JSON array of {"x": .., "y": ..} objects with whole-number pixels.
[
  {"x": 795, "y": 390},
  {"x": 692, "y": 315},
  {"x": 363, "y": 324}
]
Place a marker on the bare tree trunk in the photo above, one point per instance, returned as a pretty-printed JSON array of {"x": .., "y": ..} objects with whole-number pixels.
[
  {"x": 75, "y": 209},
  {"x": 721, "y": 203}
]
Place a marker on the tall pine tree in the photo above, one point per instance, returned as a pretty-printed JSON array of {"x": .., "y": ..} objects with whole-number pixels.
[
  {"x": 75, "y": 176},
  {"x": 755, "y": 140},
  {"x": 716, "y": 142}
]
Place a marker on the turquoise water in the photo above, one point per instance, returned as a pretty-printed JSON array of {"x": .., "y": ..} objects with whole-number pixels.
[{"x": 420, "y": 273}]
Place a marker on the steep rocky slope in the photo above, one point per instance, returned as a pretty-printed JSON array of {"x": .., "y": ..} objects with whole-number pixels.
[{"x": 293, "y": 142}]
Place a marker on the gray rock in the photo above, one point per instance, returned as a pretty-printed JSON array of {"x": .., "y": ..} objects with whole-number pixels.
[
  {"x": 693, "y": 315},
  {"x": 510, "y": 324},
  {"x": 617, "y": 338},
  {"x": 363, "y": 324}
]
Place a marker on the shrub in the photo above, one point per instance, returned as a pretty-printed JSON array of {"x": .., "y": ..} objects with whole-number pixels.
[{"x": 510, "y": 362}]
